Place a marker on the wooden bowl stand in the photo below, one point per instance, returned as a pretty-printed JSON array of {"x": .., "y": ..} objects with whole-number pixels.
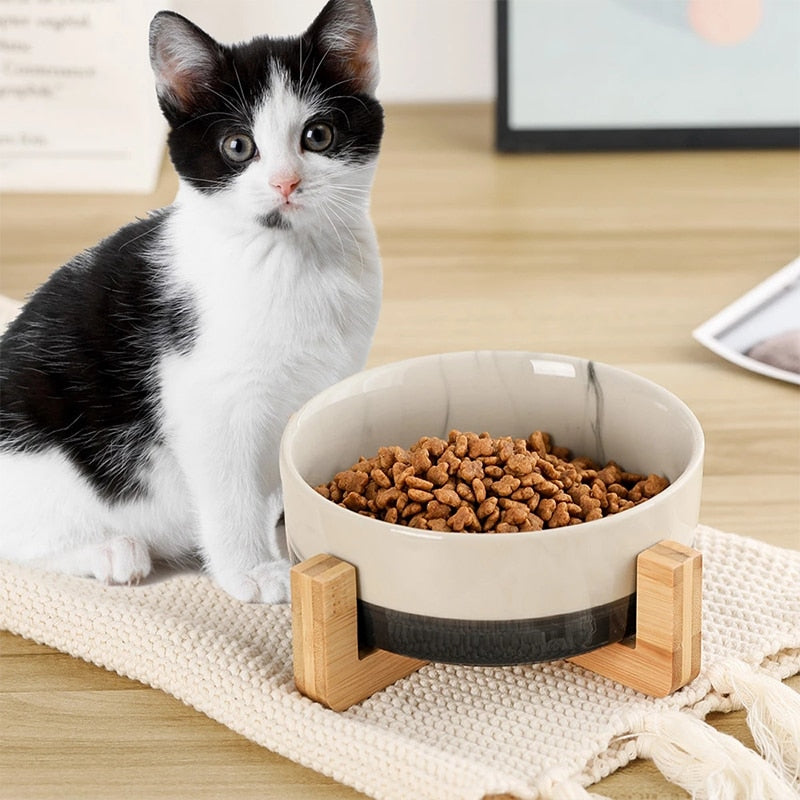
[{"x": 663, "y": 655}]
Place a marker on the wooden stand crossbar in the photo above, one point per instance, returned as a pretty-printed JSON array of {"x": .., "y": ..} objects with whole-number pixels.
[{"x": 329, "y": 668}]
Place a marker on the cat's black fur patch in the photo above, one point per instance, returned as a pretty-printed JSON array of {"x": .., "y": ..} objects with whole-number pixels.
[
  {"x": 238, "y": 90},
  {"x": 275, "y": 220},
  {"x": 77, "y": 366}
]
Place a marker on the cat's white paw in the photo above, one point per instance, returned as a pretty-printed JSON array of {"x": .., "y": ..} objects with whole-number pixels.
[
  {"x": 120, "y": 560},
  {"x": 266, "y": 583}
]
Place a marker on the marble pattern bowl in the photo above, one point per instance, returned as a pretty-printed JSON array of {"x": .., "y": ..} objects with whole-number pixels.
[{"x": 493, "y": 599}]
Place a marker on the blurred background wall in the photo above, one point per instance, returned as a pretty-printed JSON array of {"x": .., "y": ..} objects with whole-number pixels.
[{"x": 430, "y": 50}]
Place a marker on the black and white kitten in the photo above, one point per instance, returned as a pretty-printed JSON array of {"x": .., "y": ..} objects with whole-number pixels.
[{"x": 146, "y": 385}]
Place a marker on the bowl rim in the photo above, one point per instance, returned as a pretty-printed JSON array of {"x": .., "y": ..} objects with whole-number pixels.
[{"x": 317, "y": 402}]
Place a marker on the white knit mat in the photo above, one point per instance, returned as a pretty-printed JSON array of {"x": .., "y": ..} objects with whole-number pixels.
[{"x": 445, "y": 732}]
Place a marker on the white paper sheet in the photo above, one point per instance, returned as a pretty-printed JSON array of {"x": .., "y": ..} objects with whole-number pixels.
[
  {"x": 78, "y": 108},
  {"x": 770, "y": 309}
]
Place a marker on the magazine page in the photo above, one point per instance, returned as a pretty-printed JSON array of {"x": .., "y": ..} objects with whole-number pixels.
[{"x": 761, "y": 330}]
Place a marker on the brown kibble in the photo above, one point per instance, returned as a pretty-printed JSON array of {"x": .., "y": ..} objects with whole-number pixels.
[
  {"x": 420, "y": 460},
  {"x": 437, "y": 510},
  {"x": 505, "y": 486},
  {"x": 560, "y": 516},
  {"x": 637, "y": 492},
  {"x": 469, "y": 470},
  {"x": 354, "y": 501},
  {"x": 436, "y": 446},
  {"x": 438, "y": 474},
  {"x": 410, "y": 509},
  {"x": 463, "y": 518},
  {"x": 533, "y": 523},
  {"x": 545, "y": 487},
  {"x": 505, "y": 449},
  {"x": 473, "y": 482},
  {"x": 611, "y": 473},
  {"x": 464, "y": 491},
  {"x": 491, "y": 520},
  {"x": 460, "y": 446},
  {"x": 387, "y": 497},
  {"x": 532, "y": 502},
  {"x": 515, "y": 514},
  {"x": 505, "y": 527},
  {"x": 386, "y": 457},
  {"x": 482, "y": 445},
  {"x": 520, "y": 464},
  {"x": 449, "y": 458},
  {"x": 653, "y": 485},
  {"x": 413, "y": 482},
  {"x": 547, "y": 469},
  {"x": 546, "y": 508},
  {"x": 380, "y": 478},
  {"x": 539, "y": 442},
  {"x": 487, "y": 507},
  {"x": 447, "y": 496},
  {"x": 400, "y": 472},
  {"x": 351, "y": 480}
]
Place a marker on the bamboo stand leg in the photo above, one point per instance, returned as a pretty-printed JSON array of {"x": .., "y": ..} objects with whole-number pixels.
[
  {"x": 327, "y": 665},
  {"x": 666, "y": 652},
  {"x": 329, "y": 669}
]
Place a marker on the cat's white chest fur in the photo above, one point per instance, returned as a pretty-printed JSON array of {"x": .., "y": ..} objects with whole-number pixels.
[
  {"x": 279, "y": 316},
  {"x": 270, "y": 301}
]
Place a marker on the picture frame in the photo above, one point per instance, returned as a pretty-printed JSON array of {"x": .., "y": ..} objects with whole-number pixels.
[{"x": 599, "y": 75}]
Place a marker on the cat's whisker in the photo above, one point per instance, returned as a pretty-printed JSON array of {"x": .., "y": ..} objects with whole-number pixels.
[
  {"x": 334, "y": 228},
  {"x": 351, "y": 234},
  {"x": 239, "y": 112},
  {"x": 159, "y": 219},
  {"x": 242, "y": 98}
]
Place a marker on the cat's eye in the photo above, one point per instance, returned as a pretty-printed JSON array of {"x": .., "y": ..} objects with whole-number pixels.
[
  {"x": 317, "y": 137},
  {"x": 238, "y": 148}
]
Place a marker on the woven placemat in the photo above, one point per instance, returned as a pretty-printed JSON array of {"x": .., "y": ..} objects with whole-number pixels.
[{"x": 445, "y": 732}]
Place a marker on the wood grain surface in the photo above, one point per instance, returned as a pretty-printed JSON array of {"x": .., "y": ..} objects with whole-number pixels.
[{"x": 616, "y": 257}]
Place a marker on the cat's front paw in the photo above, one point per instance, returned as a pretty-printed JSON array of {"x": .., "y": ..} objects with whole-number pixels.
[
  {"x": 120, "y": 560},
  {"x": 266, "y": 583}
]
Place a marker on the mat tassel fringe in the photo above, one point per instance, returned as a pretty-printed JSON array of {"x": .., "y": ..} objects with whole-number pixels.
[{"x": 711, "y": 765}]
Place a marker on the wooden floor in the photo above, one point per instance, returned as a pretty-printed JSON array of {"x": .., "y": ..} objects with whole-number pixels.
[{"x": 613, "y": 257}]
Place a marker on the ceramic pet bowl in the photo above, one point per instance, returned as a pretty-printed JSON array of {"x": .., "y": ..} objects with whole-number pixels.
[{"x": 493, "y": 599}]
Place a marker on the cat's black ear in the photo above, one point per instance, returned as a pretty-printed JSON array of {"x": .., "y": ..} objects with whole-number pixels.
[
  {"x": 184, "y": 60},
  {"x": 345, "y": 33}
]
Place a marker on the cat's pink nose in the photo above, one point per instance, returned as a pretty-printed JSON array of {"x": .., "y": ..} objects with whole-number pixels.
[{"x": 285, "y": 184}]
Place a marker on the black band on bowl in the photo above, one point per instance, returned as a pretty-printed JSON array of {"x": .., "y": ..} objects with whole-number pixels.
[{"x": 495, "y": 642}]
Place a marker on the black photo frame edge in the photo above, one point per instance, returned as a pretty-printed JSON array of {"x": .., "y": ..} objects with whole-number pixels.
[{"x": 509, "y": 140}]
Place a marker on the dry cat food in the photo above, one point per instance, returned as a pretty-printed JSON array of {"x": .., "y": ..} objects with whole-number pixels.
[{"x": 474, "y": 483}]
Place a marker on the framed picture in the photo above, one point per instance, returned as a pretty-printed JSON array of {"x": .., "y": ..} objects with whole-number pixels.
[{"x": 647, "y": 74}]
